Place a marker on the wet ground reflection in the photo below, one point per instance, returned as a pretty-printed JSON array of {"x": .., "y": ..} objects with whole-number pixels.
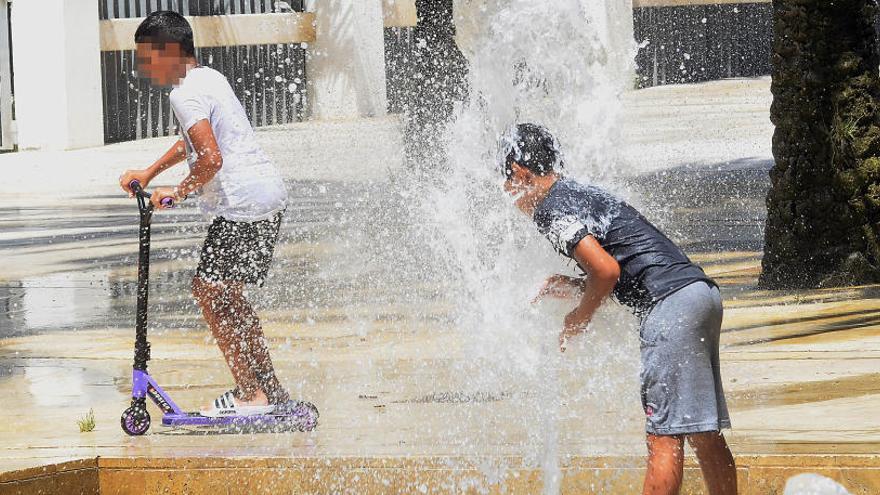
[
  {"x": 102, "y": 241},
  {"x": 716, "y": 208}
]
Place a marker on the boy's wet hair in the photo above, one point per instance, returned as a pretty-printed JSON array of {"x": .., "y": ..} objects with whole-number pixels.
[
  {"x": 531, "y": 146},
  {"x": 165, "y": 26}
]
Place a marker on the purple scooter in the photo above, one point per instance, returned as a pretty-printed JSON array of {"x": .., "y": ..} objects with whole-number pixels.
[{"x": 294, "y": 415}]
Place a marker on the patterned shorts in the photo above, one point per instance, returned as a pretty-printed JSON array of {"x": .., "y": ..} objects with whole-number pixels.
[{"x": 239, "y": 251}]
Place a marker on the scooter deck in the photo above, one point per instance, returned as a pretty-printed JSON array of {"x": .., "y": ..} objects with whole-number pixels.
[{"x": 293, "y": 421}]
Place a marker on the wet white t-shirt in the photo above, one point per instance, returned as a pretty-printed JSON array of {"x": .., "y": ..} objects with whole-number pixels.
[{"x": 248, "y": 186}]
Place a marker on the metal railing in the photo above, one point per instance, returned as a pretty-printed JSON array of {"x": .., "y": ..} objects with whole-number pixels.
[{"x": 692, "y": 41}]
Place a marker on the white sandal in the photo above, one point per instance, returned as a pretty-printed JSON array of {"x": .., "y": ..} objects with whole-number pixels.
[{"x": 226, "y": 405}]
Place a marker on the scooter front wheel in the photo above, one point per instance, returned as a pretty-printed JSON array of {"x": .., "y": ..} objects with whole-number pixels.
[{"x": 135, "y": 420}]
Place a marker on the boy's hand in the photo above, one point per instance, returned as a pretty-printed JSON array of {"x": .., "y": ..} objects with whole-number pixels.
[
  {"x": 142, "y": 176},
  {"x": 560, "y": 287},
  {"x": 575, "y": 324},
  {"x": 161, "y": 193}
]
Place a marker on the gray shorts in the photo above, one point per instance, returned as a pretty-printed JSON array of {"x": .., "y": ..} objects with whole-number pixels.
[{"x": 681, "y": 374}]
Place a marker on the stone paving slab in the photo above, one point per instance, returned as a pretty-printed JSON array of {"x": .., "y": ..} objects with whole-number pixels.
[{"x": 762, "y": 475}]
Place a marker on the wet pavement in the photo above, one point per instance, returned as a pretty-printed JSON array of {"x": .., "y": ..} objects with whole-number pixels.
[
  {"x": 374, "y": 347},
  {"x": 72, "y": 269}
]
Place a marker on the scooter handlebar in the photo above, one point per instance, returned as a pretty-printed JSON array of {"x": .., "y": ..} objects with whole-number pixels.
[{"x": 135, "y": 186}]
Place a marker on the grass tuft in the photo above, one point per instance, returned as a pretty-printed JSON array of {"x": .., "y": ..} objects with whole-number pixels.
[{"x": 87, "y": 422}]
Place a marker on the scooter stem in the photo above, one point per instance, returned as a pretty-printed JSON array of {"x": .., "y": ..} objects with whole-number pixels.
[{"x": 141, "y": 345}]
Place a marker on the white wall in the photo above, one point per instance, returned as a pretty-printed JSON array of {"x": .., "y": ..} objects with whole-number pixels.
[
  {"x": 56, "y": 52},
  {"x": 58, "y": 68}
]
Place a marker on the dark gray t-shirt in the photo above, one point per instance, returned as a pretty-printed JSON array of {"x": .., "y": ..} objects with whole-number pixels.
[{"x": 651, "y": 265}]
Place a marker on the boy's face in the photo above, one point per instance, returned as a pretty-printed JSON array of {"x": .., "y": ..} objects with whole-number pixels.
[
  {"x": 518, "y": 181},
  {"x": 518, "y": 184},
  {"x": 162, "y": 63}
]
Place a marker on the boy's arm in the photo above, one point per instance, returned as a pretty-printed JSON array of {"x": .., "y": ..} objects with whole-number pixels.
[
  {"x": 603, "y": 271},
  {"x": 561, "y": 287},
  {"x": 208, "y": 162},
  {"x": 175, "y": 154}
]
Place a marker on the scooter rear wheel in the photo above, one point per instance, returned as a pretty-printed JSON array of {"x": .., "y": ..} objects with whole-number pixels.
[
  {"x": 135, "y": 420},
  {"x": 308, "y": 416}
]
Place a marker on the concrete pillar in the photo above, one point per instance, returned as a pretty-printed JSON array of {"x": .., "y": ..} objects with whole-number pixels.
[
  {"x": 346, "y": 64},
  {"x": 57, "y": 73},
  {"x": 400, "y": 13},
  {"x": 621, "y": 41},
  {"x": 613, "y": 23},
  {"x": 6, "y": 134}
]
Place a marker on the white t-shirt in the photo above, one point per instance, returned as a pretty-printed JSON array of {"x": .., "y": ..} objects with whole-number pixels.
[{"x": 248, "y": 186}]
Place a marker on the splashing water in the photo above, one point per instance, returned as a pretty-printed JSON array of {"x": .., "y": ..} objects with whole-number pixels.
[
  {"x": 554, "y": 63},
  {"x": 549, "y": 63},
  {"x": 465, "y": 245},
  {"x": 813, "y": 484}
]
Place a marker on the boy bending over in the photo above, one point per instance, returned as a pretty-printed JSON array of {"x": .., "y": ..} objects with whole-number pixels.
[{"x": 621, "y": 253}]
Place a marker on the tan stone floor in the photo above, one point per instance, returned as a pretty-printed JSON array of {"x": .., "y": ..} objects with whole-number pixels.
[
  {"x": 800, "y": 372},
  {"x": 395, "y": 380}
]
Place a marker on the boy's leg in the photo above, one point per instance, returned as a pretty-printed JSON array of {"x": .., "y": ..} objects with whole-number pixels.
[
  {"x": 239, "y": 335},
  {"x": 217, "y": 301},
  {"x": 716, "y": 462},
  {"x": 259, "y": 360},
  {"x": 236, "y": 253},
  {"x": 665, "y": 465}
]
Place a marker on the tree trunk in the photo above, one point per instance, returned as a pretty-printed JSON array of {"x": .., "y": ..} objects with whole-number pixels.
[{"x": 824, "y": 202}]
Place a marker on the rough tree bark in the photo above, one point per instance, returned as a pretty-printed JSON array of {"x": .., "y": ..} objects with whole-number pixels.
[{"x": 824, "y": 203}]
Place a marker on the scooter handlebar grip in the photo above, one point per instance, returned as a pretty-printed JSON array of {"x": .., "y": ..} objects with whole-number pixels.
[{"x": 136, "y": 188}]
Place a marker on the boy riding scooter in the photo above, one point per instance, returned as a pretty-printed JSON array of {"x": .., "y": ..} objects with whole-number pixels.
[{"x": 239, "y": 188}]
